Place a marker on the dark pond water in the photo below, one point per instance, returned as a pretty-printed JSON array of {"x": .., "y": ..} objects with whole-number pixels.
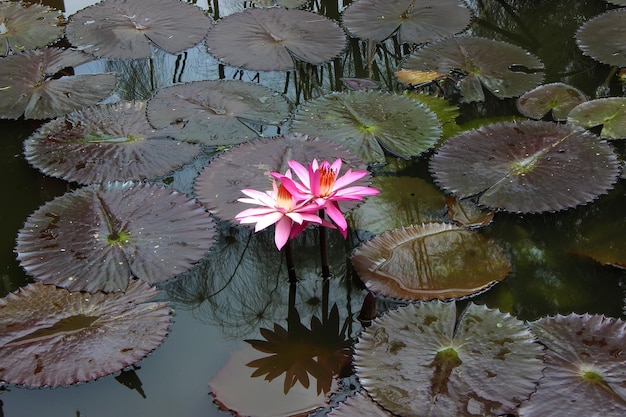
[{"x": 229, "y": 296}]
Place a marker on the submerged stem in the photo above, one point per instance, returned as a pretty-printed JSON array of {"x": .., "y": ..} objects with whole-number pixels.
[{"x": 291, "y": 269}]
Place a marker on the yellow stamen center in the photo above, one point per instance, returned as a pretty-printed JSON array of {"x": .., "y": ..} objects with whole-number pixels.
[
  {"x": 283, "y": 198},
  {"x": 327, "y": 180}
]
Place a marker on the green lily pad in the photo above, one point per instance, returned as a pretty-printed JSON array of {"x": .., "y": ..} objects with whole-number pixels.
[
  {"x": 445, "y": 112},
  {"x": 604, "y": 38},
  {"x": 526, "y": 167},
  {"x": 430, "y": 261},
  {"x": 414, "y": 21},
  {"x": 505, "y": 70},
  {"x": 609, "y": 112},
  {"x": 28, "y": 26},
  {"x": 50, "y": 336},
  {"x": 602, "y": 239},
  {"x": 366, "y": 122},
  {"x": 421, "y": 360},
  {"x": 558, "y": 98},
  {"x": 585, "y": 372}
]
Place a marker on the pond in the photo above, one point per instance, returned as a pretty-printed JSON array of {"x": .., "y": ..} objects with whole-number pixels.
[{"x": 533, "y": 254}]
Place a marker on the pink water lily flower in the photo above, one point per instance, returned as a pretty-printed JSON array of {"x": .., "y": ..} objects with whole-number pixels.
[{"x": 278, "y": 206}]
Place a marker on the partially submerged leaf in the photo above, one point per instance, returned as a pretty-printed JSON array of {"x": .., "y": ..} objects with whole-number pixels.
[
  {"x": 50, "y": 336},
  {"x": 28, "y": 26},
  {"x": 604, "y": 38},
  {"x": 431, "y": 261},
  {"x": 359, "y": 405},
  {"x": 467, "y": 213},
  {"x": 557, "y": 98},
  {"x": 610, "y": 112}
]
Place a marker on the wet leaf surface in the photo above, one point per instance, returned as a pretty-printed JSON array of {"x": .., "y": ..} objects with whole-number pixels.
[
  {"x": 28, "y": 26},
  {"x": 609, "y": 112},
  {"x": 557, "y": 98},
  {"x": 359, "y": 405},
  {"x": 604, "y": 38},
  {"x": 467, "y": 213}
]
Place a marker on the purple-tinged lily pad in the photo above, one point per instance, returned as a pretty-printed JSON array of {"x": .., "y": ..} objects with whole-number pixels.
[
  {"x": 112, "y": 142},
  {"x": 127, "y": 29},
  {"x": 35, "y": 84},
  {"x": 98, "y": 238},
  {"x": 604, "y": 38},
  {"x": 28, "y": 26},
  {"x": 359, "y": 405},
  {"x": 557, "y": 98},
  {"x": 609, "y": 112},
  {"x": 585, "y": 372},
  {"x": 217, "y": 112},
  {"x": 270, "y": 39},
  {"x": 414, "y": 21},
  {"x": 248, "y": 166},
  {"x": 526, "y": 167},
  {"x": 288, "y": 4},
  {"x": 430, "y": 261},
  {"x": 421, "y": 360},
  {"x": 50, "y": 336},
  {"x": 366, "y": 122},
  {"x": 505, "y": 70}
]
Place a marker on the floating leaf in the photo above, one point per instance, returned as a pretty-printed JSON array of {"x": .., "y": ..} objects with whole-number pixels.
[
  {"x": 112, "y": 142},
  {"x": 217, "y": 112},
  {"x": 604, "y": 38},
  {"x": 365, "y": 122},
  {"x": 558, "y": 98},
  {"x": 505, "y": 70},
  {"x": 446, "y": 113},
  {"x": 585, "y": 372},
  {"x": 269, "y": 39},
  {"x": 289, "y": 4},
  {"x": 602, "y": 239},
  {"x": 609, "y": 112},
  {"x": 414, "y": 21},
  {"x": 50, "y": 336},
  {"x": 431, "y": 261},
  {"x": 467, "y": 213},
  {"x": 359, "y": 405},
  {"x": 414, "y": 77},
  {"x": 28, "y": 26},
  {"x": 123, "y": 29},
  {"x": 420, "y": 360},
  {"x": 36, "y": 84},
  {"x": 100, "y": 237},
  {"x": 526, "y": 167}
]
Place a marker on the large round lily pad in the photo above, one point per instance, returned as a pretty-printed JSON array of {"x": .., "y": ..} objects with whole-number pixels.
[
  {"x": 270, "y": 39},
  {"x": 101, "y": 237},
  {"x": 610, "y": 112},
  {"x": 526, "y": 167},
  {"x": 557, "y": 98},
  {"x": 50, "y": 336},
  {"x": 359, "y": 405},
  {"x": 421, "y": 360},
  {"x": 366, "y": 122},
  {"x": 112, "y": 142},
  {"x": 28, "y": 26},
  {"x": 430, "y": 261},
  {"x": 123, "y": 29},
  {"x": 604, "y": 38}
]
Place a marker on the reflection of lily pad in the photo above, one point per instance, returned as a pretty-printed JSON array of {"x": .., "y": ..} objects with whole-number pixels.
[
  {"x": 415, "y": 21},
  {"x": 556, "y": 97},
  {"x": 122, "y": 29},
  {"x": 609, "y": 112},
  {"x": 50, "y": 336},
  {"x": 217, "y": 112},
  {"x": 604, "y": 38},
  {"x": 269, "y": 39},
  {"x": 365, "y": 122},
  {"x": 249, "y": 165},
  {"x": 431, "y": 261},
  {"x": 420, "y": 360},
  {"x": 35, "y": 83},
  {"x": 526, "y": 167},
  {"x": 28, "y": 26},
  {"x": 100, "y": 237},
  {"x": 585, "y": 372},
  {"x": 112, "y": 142},
  {"x": 602, "y": 239},
  {"x": 505, "y": 70}
]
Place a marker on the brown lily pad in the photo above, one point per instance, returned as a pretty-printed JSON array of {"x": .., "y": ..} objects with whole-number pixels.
[
  {"x": 359, "y": 405},
  {"x": 557, "y": 98},
  {"x": 28, "y": 26},
  {"x": 604, "y": 38}
]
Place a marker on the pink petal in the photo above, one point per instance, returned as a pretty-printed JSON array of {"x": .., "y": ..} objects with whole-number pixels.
[
  {"x": 348, "y": 178},
  {"x": 336, "y": 166},
  {"x": 354, "y": 193},
  {"x": 257, "y": 211},
  {"x": 282, "y": 232},
  {"x": 293, "y": 188},
  {"x": 296, "y": 229},
  {"x": 267, "y": 220},
  {"x": 336, "y": 216},
  {"x": 301, "y": 172}
]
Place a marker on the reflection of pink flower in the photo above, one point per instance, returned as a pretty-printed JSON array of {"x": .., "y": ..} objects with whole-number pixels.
[
  {"x": 321, "y": 184},
  {"x": 279, "y": 207}
]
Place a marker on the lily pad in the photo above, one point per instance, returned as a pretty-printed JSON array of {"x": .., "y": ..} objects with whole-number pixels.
[
  {"x": 467, "y": 213},
  {"x": 604, "y": 38},
  {"x": 609, "y": 112},
  {"x": 98, "y": 238},
  {"x": 505, "y": 70},
  {"x": 50, "y": 336},
  {"x": 602, "y": 239},
  {"x": 35, "y": 84},
  {"x": 289, "y": 4},
  {"x": 127, "y": 29},
  {"x": 217, "y": 112},
  {"x": 430, "y": 261},
  {"x": 270, "y": 39},
  {"x": 366, "y": 122},
  {"x": 558, "y": 98},
  {"x": 420, "y": 360},
  {"x": 248, "y": 166},
  {"x": 414, "y": 21},
  {"x": 526, "y": 167},
  {"x": 112, "y": 142},
  {"x": 359, "y": 405},
  {"x": 585, "y": 372},
  {"x": 28, "y": 26}
]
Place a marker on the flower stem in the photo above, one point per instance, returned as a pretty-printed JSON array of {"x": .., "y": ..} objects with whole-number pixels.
[
  {"x": 291, "y": 268},
  {"x": 324, "y": 249}
]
